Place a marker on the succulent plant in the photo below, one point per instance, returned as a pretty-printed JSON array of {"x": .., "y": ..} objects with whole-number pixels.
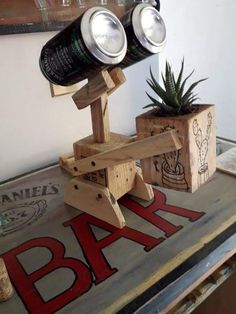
[{"x": 174, "y": 99}]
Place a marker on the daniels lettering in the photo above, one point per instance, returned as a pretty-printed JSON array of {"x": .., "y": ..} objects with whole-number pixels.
[
  {"x": 24, "y": 207},
  {"x": 28, "y": 193}
]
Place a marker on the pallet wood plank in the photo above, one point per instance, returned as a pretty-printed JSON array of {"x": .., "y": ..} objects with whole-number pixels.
[
  {"x": 118, "y": 78},
  {"x": 155, "y": 145},
  {"x": 141, "y": 189},
  {"x": 35, "y": 204},
  {"x": 100, "y": 120},
  {"x": 89, "y": 196},
  {"x": 226, "y": 162},
  {"x": 89, "y": 93},
  {"x": 58, "y": 90},
  {"x": 119, "y": 179},
  {"x": 171, "y": 296}
]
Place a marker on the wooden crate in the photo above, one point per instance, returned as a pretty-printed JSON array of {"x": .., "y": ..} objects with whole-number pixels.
[
  {"x": 118, "y": 179},
  {"x": 62, "y": 260},
  {"x": 190, "y": 167}
]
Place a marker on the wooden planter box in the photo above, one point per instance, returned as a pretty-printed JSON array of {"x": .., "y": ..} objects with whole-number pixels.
[{"x": 186, "y": 169}]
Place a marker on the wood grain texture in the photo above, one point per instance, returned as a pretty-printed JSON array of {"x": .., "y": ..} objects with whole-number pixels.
[
  {"x": 193, "y": 281},
  {"x": 100, "y": 120},
  {"x": 87, "y": 147},
  {"x": 118, "y": 77},
  {"x": 137, "y": 269},
  {"x": 168, "y": 267},
  {"x": 26, "y": 12},
  {"x": 222, "y": 300},
  {"x": 66, "y": 161},
  {"x": 119, "y": 179},
  {"x": 141, "y": 189},
  {"x": 156, "y": 145},
  {"x": 58, "y": 90},
  {"x": 89, "y": 93},
  {"x": 195, "y": 163},
  {"x": 226, "y": 162},
  {"x": 94, "y": 199}
]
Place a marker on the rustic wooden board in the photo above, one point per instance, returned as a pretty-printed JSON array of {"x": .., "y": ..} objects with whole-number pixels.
[
  {"x": 36, "y": 16},
  {"x": 226, "y": 162},
  {"x": 169, "y": 297},
  {"x": 63, "y": 261}
]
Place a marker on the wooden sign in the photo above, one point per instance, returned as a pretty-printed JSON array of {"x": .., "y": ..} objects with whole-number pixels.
[
  {"x": 48, "y": 15},
  {"x": 60, "y": 259}
]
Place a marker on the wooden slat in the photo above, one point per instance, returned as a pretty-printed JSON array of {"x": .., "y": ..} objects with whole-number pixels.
[
  {"x": 58, "y": 90},
  {"x": 168, "y": 298},
  {"x": 226, "y": 162},
  {"x": 89, "y": 93},
  {"x": 67, "y": 160},
  {"x": 95, "y": 200},
  {"x": 141, "y": 189},
  {"x": 155, "y": 145},
  {"x": 118, "y": 78},
  {"x": 100, "y": 120}
]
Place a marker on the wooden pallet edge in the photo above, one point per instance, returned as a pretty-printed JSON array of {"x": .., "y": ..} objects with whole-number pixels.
[{"x": 167, "y": 268}]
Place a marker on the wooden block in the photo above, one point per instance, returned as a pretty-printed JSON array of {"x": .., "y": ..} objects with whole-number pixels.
[
  {"x": 66, "y": 161},
  {"x": 226, "y": 162},
  {"x": 190, "y": 167},
  {"x": 95, "y": 200},
  {"x": 6, "y": 290},
  {"x": 118, "y": 78},
  {"x": 99, "y": 177},
  {"x": 96, "y": 87},
  {"x": 156, "y": 145},
  {"x": 119, "y": 179},
  {"x": 87, "y": 147},
  {"x": 58, "y": 90},
  {"x": 141, "y": 189},
  {"x": 100, "y": 120}
]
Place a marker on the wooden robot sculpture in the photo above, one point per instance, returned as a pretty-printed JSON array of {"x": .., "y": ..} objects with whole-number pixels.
[{"x": 103, "y": 164}]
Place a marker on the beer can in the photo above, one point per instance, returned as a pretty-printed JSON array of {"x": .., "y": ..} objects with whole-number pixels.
[
  {"x": 146, "y": 33},
  {"x": 93, "y": 42}
]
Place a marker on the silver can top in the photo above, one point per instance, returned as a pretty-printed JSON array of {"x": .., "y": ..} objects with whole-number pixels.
[
  {"x": 149, "y": 27},
  {"x": 104, "y": 35}
]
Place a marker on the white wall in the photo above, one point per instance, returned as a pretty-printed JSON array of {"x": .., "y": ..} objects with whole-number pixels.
[
  {"x": 204, "y": 33},
  {"x": 35, "y": 128}
]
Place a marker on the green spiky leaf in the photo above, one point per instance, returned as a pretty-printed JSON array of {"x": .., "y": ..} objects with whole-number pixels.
[
  {"x": 179, "y": 80},
  {"x": 174, "y": 98},
  {"x": 191, "y": 88}
]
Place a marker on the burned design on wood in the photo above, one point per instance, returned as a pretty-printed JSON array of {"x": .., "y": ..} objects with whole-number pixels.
[
  {"x": 21, "y": 215},
  {"x": 172, "y": 170},
  {"x": 202, "y": 144},
  {"x": 98, "y": 177}
]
